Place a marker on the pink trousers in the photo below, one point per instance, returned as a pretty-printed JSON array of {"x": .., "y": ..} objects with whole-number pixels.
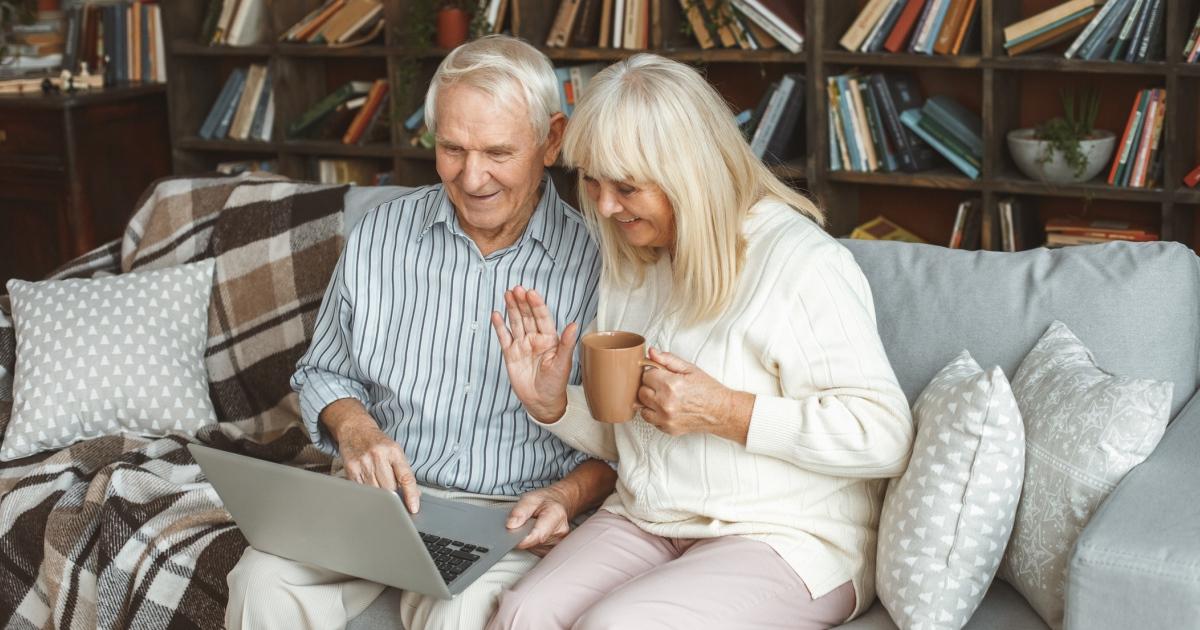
[{"x": 611, "y": 574}]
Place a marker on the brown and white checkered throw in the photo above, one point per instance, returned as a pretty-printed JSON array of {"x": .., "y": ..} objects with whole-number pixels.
[{"x": 124, "y": 532}]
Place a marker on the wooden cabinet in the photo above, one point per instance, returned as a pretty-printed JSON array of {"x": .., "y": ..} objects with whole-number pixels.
[{"x": 72, "y": 168}]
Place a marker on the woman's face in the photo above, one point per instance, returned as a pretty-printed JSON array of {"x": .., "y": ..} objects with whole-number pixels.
[{"x": 641, "y": 212}]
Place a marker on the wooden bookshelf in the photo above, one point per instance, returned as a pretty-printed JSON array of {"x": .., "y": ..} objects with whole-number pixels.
[{"x": 1007, "y": 92}]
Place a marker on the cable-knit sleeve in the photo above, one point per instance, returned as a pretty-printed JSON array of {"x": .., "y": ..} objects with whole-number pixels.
[{"x": 842, "y": 411}]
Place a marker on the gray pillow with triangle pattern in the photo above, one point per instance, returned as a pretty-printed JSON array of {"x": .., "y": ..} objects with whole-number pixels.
[
  {"x": 946, "y": 521},
  {"x": 121, "y": 354}
]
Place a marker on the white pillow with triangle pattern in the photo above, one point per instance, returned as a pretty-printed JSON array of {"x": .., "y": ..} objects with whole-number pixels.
[
  {"x": 121, "y": 354},
  {"x": 946, "y": 521}
]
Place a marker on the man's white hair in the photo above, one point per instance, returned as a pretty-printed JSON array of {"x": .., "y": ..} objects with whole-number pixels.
[{"x": 508, "y": 69}]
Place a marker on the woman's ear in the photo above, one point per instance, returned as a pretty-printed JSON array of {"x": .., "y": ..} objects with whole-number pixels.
[{"x": 554, "y": 140}]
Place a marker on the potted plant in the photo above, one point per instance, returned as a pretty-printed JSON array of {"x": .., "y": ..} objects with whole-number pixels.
[
  {"x": 1067, "y": 149},
  {"x": 454, "y": 22}
]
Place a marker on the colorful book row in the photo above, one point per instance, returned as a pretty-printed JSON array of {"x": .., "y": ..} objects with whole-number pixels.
[{"x": 942, "y": 27}]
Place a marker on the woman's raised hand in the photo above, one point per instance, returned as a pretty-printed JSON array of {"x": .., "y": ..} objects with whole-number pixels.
[{"x": 537, "y": 358}]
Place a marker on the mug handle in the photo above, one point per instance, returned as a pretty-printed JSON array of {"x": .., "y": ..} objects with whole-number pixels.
[{"x": 647, "y": 363}]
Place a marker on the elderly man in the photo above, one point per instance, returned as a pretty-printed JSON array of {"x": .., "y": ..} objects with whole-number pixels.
[{"x": 403, "y": 379}]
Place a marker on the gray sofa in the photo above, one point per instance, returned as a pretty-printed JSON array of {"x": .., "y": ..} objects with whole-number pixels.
[{"x": 1137, "y": 565}]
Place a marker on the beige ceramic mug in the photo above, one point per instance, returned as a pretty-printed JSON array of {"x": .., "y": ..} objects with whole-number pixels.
[{"x": 612, "y": 372}]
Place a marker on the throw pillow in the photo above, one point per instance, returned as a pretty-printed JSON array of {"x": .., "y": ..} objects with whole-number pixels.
[
  {"x": 946, "y": 520},
  {"x": 1084, "y": 429},
  {"x": 110, "y": 355}
]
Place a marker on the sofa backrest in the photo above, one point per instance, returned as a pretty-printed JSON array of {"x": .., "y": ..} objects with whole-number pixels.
[{"x": 1136, "y": 306}]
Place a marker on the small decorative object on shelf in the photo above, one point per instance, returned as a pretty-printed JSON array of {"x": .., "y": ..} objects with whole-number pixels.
[
  {"x": 1067, "y": 149},
  {"x": 882, "y": 229},
  {"x": 453, "y": 24},
  {"x": 942, "y": 27}
]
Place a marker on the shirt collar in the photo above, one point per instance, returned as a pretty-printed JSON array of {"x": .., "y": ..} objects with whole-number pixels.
[{"x": 541, "y": 226}]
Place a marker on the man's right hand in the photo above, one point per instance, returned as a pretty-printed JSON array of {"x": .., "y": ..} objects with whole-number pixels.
[{"x": 368, "y": 454}]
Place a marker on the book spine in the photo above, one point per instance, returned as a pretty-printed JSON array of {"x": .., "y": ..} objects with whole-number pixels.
[
  {"x": 1123, "y": 146},
  {"x": 231, "y": 107},
  {"x": 1150, "y": 43},
  {"x": 1084, "y": 36},
  {"x": 955, "y": 15},
  {"x": 1153, "y": 162},
  {"x": 967, "y": 25},
  {"x": 260, "y": 108},
  {"x": 878, "y": 134},
  {"x": 883, "y": 26},
  {"x": 854, "y": 36},
  {"x": 1189, "y": 50},
  {"x": 208, "y": 129},
  {"x": 929, "y": 36},
  {"x": 892, "y": 125},
  {"x": 783, "y": 141},
  {"x": 956, "y": 123},
  {"x": 770, "y": 118},
  {"x": 1139, "y": 32},
  {"x": 1128, "y": 157},
  {"x": 1126, "y": 31},
  {"x": 777, "y": 29},
  {"x": 846, "y": 111},
  {"x": 835, "y": 161},
  {"x": 948, "y": 140},
  {"x": 904, "y": 26},
  {"x": 1106, "y": 33},
  {"x": 861, "y": 129},
  {"x": 922, "y": 22},
  {"x": 1138, "y": 172}
]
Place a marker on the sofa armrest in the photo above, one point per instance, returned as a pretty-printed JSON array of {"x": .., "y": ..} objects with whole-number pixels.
[{"x": 1137, "y": 563}]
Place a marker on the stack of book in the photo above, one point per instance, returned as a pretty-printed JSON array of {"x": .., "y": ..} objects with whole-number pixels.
[
  {"x": 1062, "y": 231},
  {"x": 775, "y": 127},
  {"x": 1050, "y": 26},
  {"x": 865, "y": 128},
  {"x": 125, "y": 38},
  {"x": 746, "y": 24},
  {"x": 245, "y": 108},
  {"x": 943, "y": 27},
  {"x": 234, "y": 22},
  {"x": 32, "y": 47},
  {"x": 1138, "y": 161},
  {"x": 1011, "y": 227},
  {"x": 1191, "y": 52},
  {"x": 338, "y": 22},
  {"x": 952, "y": 130},
  {"x": 356, "y": 113},
  {"x": 1122, "y": 30},
  {"x": 351, "y": 171}
]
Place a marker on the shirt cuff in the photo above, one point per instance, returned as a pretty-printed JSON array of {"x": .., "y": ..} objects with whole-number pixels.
[{"x": 775, "y": 427}]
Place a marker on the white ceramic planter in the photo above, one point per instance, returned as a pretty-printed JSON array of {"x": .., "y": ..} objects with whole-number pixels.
[{"x": 1026, "y": 151}]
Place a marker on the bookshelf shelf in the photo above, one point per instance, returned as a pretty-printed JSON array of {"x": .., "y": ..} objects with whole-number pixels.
[
  {"x": 943, "y": 179},
  {"x": 965, "y": 62},
  {"x": 1057, "y": 63},
  {"x": 1095, "y": 189},
  {"x": 227, "y": 146},
  {"x": 188, "y": 48},
  {"x": 306, "y": 50},
  {"x": 319, "y": 147},
  {"x": 1007, "y": 93}
]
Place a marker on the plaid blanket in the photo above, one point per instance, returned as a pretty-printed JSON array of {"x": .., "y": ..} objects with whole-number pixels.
[{"x": 122, "y": 531}]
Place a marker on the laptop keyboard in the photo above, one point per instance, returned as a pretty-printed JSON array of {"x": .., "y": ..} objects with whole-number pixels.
[{"x": 452, "y": 557}]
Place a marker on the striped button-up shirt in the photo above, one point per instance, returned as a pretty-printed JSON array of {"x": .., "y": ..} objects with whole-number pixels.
[{"x": 404, "y": 328}]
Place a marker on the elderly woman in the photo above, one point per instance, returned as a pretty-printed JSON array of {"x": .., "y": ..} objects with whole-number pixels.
[{"x": 749, "y": 484}]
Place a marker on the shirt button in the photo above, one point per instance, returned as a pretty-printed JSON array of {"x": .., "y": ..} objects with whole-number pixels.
[
  {"x": 474, "y": 325},
  {"x": 467, "y": 387}
]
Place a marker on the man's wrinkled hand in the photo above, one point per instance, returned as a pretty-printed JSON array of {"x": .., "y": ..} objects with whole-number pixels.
[
  {"x": 551, "y": 510},
  {"x": 374, "y": 459}
]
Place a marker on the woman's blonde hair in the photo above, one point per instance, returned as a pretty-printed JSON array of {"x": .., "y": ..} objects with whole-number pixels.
[{"x": 648, "y": 119}]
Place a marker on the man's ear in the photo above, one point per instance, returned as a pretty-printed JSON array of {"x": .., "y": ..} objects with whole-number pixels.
[{"x": 554, "y": 140}]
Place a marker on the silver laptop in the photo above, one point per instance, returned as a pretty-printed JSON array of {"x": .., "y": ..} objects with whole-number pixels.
[{"x": 359, "y": 530}]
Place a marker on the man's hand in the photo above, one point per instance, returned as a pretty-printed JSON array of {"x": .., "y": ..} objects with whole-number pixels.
[
  {"x": 369, "y": 455},
  {"x": 537, "y": 358},
  {"x": 552, "y": 510}
]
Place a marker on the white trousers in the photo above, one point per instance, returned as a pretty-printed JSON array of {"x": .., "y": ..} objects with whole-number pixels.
[{"x": 266, "y": 591}]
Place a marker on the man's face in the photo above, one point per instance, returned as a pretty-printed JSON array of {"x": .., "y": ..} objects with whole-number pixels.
[{"x": 489, "y": 159}]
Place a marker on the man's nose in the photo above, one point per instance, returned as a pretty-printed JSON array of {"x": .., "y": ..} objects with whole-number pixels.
[{"x": 475, "y": 172}]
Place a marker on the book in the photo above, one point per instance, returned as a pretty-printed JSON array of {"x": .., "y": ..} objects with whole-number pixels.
[
  {"x": 366, "y": 20},
  {"x": 897, "y": 93},
  {"x": 1150, "y": 44},
  {"x": 1051, "y": 34},
  {"x": 323, "y": 107},
  {"x": 313, "y": 22},
  {"x": 912, "y": 119},
  {"x": 779, "y": 18},
  {"x": 772, "y": 115},
  {"x": 968, "y": 29},
  {"x": 956, "y": 17},
  {"x": 232, "y": 84},
  {"x": 1192, "y": 48},
  {"x": 1107, "y": 32},
  {"x": 963, "y": 124},
  {"x": 1135, "y": 16},
  {"x": 948, "y": 140},
  {"x": 243, "y": 117},
  {"x": 882, "y": 27},
  {"x": 932, "y": 26},
  {"x": 1192, "y": 179},
  {"x": 1124, "y": 146},
  {"x": 860, "y": 28},
  {"x": 359, "y": 125},
  {"x": 1100, "y": 229},
  {"x": 586, "y": 32},
  {"x": 787, "y": 140},
  {"x": 904, "y": 26},
  {"x": 249, "y": 24},
  {"x": 967, "y": 219},
  {"x": 883, "y": 229},
  {"x": 260, "y": 111},
  {"x": 227, "y": 114},
  {"x": 1043, "y": 21},
  {"x": 347, "y": 171}
]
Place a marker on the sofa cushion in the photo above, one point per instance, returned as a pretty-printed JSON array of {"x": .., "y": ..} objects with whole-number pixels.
[
  {"x": 946, "y": 521},
  {"x": 99, "y": 357},
  {"x": 1135, "y": 305},
  {"x": 1002, "y": 609},
  {"x": 1084, "y": 430}
]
